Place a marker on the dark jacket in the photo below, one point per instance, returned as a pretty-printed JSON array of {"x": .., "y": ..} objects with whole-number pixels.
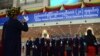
[{"x": 11, "y": 37}]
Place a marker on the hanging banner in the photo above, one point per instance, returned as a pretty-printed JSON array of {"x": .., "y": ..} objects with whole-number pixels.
[{"x": 72, "y": 14}]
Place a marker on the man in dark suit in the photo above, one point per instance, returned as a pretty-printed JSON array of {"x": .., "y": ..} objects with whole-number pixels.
[
  {"x": 50, "y": 53},
  {"x": 76, "y": 46},
  {"x": 11, "y": 35},
  {"x": 69, "y": 44},
  {"x": 53, "y": 46},
  {"x": 62, "y": 47},
  {"x": 38, "y": 44},
  {"x": 34, "y": 49},
  {"x": 82, "y": 45},
  {"x": 28, "y": 47}
]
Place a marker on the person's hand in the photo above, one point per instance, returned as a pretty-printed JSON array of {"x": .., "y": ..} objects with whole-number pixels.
[
  {"x": 26, "y": 18},
  {"x": 23, "y": 20},
  {"x": 23, "y": 13}
]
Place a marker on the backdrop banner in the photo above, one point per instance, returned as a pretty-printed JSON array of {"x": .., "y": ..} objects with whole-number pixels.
[{"x": 71, "y": 14}]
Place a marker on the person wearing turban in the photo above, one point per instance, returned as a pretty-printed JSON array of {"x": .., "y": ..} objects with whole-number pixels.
[{"x": 91, "y": 43}]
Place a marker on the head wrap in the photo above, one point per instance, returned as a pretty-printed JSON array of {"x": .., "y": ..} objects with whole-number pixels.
[{"x": 13, "y": 12}]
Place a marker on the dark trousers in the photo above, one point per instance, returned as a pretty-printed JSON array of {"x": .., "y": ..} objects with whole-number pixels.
[
  {"x": 75, "y": 51},
  {"x": 62, "y": 52},
  {"x": 50, "y": 53},
  {"x": 38, "y": 52},
  {"x": 34, "y": 52},
  {"x": 82, "y": 51},
  {"x": 27, "y": 52},
  {"x": 69, "y": 53}
]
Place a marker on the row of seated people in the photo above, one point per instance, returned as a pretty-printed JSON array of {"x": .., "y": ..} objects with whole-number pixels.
[{"x": 64, "y": 46}]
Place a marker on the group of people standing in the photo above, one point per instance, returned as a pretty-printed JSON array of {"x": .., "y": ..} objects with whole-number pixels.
[{"x": 64, "y": 46}]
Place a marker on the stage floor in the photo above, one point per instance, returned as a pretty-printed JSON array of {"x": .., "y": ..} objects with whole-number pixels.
[{"x": 24, "y": 53}]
